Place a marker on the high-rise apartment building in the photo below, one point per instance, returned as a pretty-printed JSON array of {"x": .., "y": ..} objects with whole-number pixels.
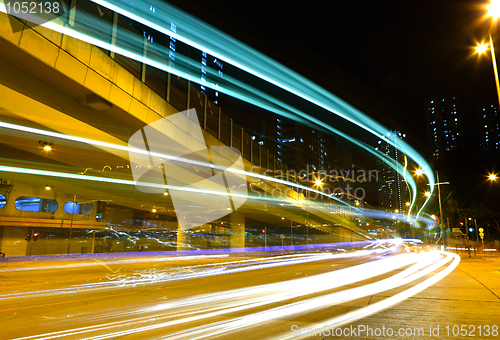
[
  {"x": 489, "y": 132},
  {"x": 392, "y": 188},
  {"x": 304, "y": 147},
  {"x": 444, "y": 126}
]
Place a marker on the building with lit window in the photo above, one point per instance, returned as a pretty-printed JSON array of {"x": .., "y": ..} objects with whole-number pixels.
[
  {"x": 302, "y": 148},
  {"x": 267, "y": 133},
  {"x": 444, "y": 126},
  {"x": 392, "y": 188},
  {"x": 489, "y": 124}
]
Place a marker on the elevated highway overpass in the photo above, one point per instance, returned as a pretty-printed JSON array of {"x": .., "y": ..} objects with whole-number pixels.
[{"x": 53, "y": 84}]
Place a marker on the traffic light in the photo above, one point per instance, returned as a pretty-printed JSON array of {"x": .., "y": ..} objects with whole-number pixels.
[
  {"x": 263, "y": 231},
  {"x": 461, "y": 224},
  {"x": 35, "y": 237},
  {"x": 28, "y": 237},
  {"x": 471, "y": 229}
]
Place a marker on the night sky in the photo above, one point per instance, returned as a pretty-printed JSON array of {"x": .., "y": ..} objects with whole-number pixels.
[{"x": 385, "y": 58}]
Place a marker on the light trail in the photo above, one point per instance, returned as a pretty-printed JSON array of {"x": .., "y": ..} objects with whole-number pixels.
[
  {"x": 302, "y": 307},
  {"x": 223, "y": 270},
  {"x": 203, "y": 307},
  {"x": 225, "y": 47},
  {"x": 261, "y": 67},
  {"x": 128, "y": 261},
  {"x": 389, "y": 302},
  {"x": 273, "y": 293},
  {"x": 144, "y": 152},
  {"x": 366, "y": 212}
]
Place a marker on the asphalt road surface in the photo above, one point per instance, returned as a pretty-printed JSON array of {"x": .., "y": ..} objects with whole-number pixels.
[{"x": 222, "y": 296}]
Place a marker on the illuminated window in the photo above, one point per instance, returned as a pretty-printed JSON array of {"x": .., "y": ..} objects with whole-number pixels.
[
  {"x": 78, "y": 208},
  {"x": 35, "y": 204}
]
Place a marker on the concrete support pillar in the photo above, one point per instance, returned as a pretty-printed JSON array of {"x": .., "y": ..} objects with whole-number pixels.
[
  {"x": 237, "y": 238},
  {"x": 182, "y": 240}
]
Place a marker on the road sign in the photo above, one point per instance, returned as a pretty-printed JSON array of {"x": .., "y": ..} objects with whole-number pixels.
[
  {"x": 481, "y": 230},
  {"x": 456, "y": 230}
]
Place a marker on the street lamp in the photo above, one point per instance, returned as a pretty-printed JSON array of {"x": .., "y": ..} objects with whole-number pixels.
[
  {"x": 494, "y": 12},
  {"x": 481, "y": 48},
  {"x": 492, "y": 177},
  {"x": 494, "y": 9}
]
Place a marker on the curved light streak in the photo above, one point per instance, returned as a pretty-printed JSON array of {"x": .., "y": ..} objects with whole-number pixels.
[
  {"x": 407, "y": 276},
  {"x": 389, "y": 302},
  {"x": 252, "y": 297},
  {"x": 261, "y": 67},
  {"x": 202, "y": 307},
  {"x": 145, "y": 152}
]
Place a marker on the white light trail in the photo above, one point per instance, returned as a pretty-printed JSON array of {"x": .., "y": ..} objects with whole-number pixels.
[
  {"x": 407, "y": 276},
  {"x": 264, "y": 295},
  {"x": 389, "y": 302}
]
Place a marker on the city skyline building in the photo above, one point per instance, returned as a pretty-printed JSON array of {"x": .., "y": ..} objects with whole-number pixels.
[
  {"x": 444, "y": 126},
  {"x": 489, "y": 127},
  {"x": 392, "y": 187}
]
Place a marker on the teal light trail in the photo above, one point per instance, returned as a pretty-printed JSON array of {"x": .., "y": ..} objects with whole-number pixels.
[{"x": 206, "y": 38}]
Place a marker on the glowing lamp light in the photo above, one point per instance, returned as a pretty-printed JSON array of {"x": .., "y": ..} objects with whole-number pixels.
[
  {"x": 48, "y": 187},
  {"x": 165, "y": 193},
  {"x": 427, "y": 194},
  {"x": 494, "y": 9},
  {"x": 154, "y": 210},
  {"x": 46, "y": 146},
  {"x": 481, "y": 48},
  {"x": 419, "y": 172},
  {"x": 492, "y": 177},
  {"x": 318, "y": 183}
]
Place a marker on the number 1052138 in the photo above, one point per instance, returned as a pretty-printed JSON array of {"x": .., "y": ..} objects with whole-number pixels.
[
  {"x": 472, "y": 330},
  {"x": 32, "y": 7}
]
